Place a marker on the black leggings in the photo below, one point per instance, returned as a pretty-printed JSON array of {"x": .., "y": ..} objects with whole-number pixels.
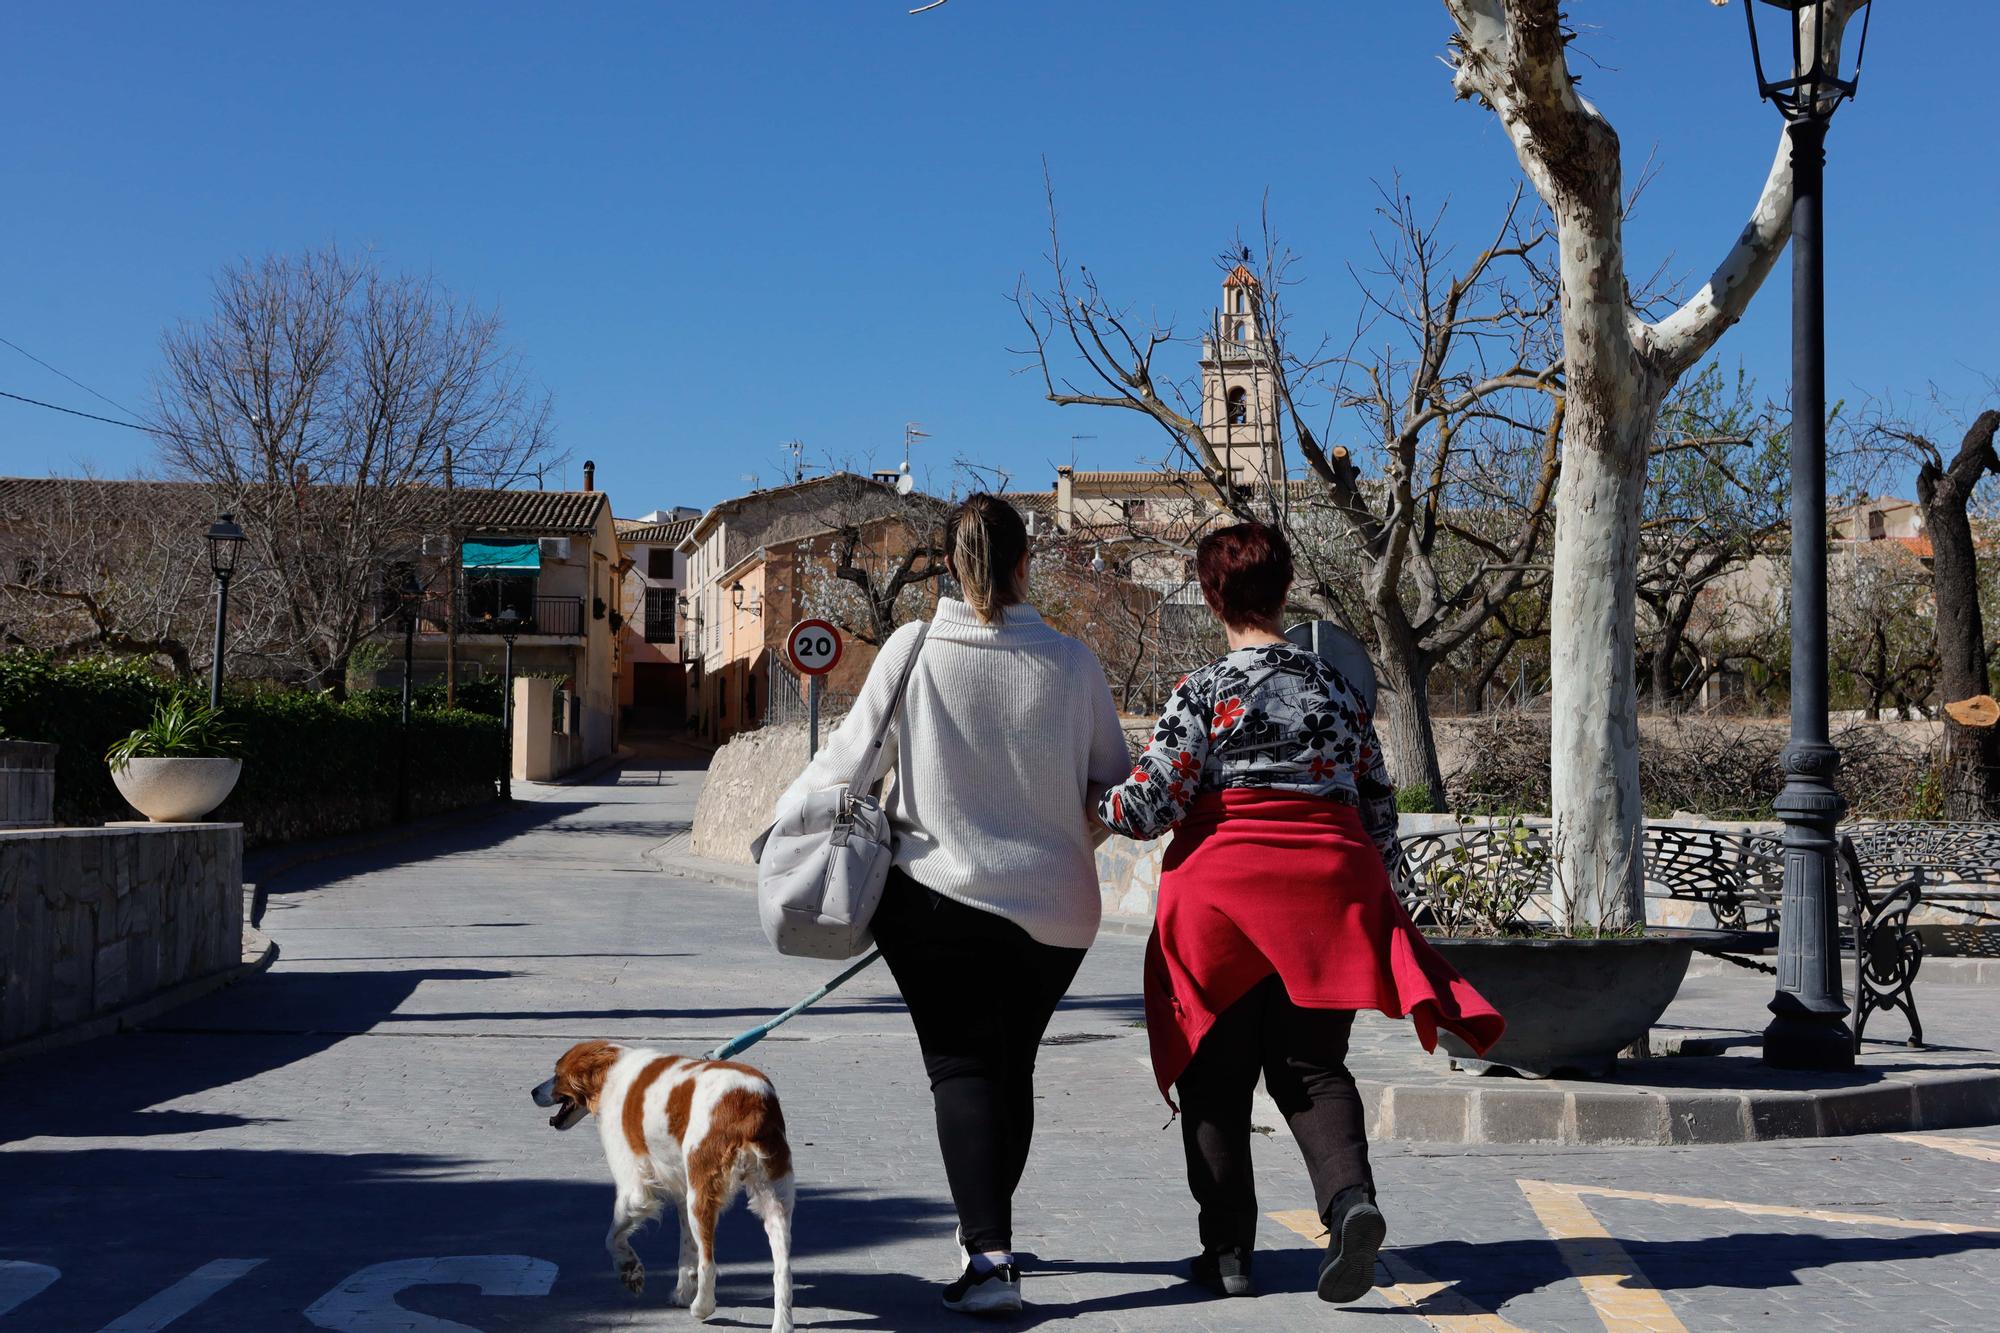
[
  {"x": 981, "y": 991},
  {"x": 1302, "y": 1055}
]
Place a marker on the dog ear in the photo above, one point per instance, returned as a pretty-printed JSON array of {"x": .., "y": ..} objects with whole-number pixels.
[{"x": 582, "y": 1068}]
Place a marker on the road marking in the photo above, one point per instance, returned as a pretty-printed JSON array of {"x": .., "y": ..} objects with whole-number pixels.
[
  {"x": 367, "y": 1299},
  {"x": 1983, "y": 1150},
  {"x": 183, "y": 1296},
  {"x": 1773, "y": 1210},
  {"x": 1624, "y": 1301},
  {"x": 21, "y": 1282},
  {"x": 1439, "y": 1304}
]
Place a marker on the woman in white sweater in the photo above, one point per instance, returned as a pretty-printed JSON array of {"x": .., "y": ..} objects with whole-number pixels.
[{"x": 1004, "y": 731}]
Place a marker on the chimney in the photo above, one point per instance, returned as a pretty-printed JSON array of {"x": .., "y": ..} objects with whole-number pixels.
[
  {"x": 589, "y": 475},
  {"x": 1065, "y": 497}
]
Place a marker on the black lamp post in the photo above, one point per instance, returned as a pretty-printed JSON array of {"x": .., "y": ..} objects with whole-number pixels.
[
  {"x": 1808, "y": 1029},
  {"x": 508, "y": 626},
  {"x": 225, "y": 542}
]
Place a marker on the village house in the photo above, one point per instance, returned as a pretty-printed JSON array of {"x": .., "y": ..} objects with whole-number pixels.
[{"x": 652, "y": 670}]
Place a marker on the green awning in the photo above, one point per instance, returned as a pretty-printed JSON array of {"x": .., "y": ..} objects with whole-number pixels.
[{"x": 500, "y": 556}]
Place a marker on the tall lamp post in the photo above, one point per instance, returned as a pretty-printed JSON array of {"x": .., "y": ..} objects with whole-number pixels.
[
  {"x": 509, "y": 626},
  {"x": 225, "y": 541},
  {"x": 1808, "y": 1028}
]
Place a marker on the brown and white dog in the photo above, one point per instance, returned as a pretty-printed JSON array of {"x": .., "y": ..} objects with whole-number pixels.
[{"x": 694, "y": 1131}]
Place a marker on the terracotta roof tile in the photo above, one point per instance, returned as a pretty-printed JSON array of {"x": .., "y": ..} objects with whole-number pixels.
[
  {"x": 536, "y": 513},
  {"x": 664, "y": 534}
]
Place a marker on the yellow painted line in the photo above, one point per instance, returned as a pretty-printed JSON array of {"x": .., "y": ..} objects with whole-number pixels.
[
  {"x": 1983, "y": 1150},
  {"x": 1438, "y": 1304},
  {"x": 1624, "y": 1301},
  {"x": 1772, "y": 1210}
]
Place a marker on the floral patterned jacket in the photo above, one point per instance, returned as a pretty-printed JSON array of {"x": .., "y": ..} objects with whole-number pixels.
[{"x": 1272, "y": 716}]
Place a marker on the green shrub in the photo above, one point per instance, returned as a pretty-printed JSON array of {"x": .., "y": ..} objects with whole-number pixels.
[
  {"x": 181, "y": 726},
  {"x": 311, "y": 767}
]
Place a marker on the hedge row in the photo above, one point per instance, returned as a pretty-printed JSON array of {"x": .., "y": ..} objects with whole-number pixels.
[{"x": 311, "y": 767}]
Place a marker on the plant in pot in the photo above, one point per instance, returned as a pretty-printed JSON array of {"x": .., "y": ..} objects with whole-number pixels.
[
  {"x": 1574, "y": 995},
  {"x": 180, "y": 765}
]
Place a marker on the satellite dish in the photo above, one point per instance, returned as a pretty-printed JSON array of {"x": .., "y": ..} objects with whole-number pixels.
[
  {"x": 1339, "y": 650},
  {"x": 905, "y": 483}
]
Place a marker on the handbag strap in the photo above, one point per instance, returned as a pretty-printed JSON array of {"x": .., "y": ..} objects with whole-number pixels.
[{"x": 874, "y": 750}]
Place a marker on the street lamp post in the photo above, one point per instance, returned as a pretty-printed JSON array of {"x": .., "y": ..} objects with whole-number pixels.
[
  {"x": 225, "y": 541},
  {"x": 509, "y": 626},
  {"x": 1808, "y": 1028}
]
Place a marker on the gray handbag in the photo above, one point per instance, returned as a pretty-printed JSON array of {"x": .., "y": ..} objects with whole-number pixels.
[{"x": 821, "y": 866}]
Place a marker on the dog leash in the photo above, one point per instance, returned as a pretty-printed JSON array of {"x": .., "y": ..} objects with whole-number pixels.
[{"x": 743, "y": 1041}]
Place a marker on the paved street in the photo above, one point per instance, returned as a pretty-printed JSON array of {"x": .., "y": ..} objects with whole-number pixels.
[{"x": 347, "y": 1142}]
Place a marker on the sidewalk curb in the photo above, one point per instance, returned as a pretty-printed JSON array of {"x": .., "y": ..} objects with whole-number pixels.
[
  {"x": 259, "y": 952},
  {"x": 672, "y": 857}
]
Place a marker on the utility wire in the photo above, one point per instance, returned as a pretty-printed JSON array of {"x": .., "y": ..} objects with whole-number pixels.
[
  {"x": 66, "y": 375},
  {"x": 88, "y": 416}
]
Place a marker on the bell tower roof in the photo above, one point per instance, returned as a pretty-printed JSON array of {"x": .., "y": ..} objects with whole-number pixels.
[{"x": 1241, "y": 276}]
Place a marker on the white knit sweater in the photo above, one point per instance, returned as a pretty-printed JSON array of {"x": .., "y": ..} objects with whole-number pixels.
[{"x": 1003, "y": 731}]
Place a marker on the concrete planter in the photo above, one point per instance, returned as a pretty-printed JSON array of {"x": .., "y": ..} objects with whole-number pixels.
[
  {"x": 177, "y": 790},
  {"x": 1570, "y": 1005}
]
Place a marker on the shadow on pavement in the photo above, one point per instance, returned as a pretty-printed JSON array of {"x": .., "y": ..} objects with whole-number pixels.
[
  {"x": 316, "y": 1219},
  {"x": 108, "y": 1087}
]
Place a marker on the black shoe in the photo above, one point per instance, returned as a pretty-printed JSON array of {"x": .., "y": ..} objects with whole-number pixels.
[
  {"x": 995, "y": 1291},
  {"x": 1355, "y": 1228},
  {"x": 1225, "y": 1272}
]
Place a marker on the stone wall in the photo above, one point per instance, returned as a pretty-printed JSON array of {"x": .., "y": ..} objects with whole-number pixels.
[
  {"x": 95, "y": 919},
  {"x": 745, "y": 779}
]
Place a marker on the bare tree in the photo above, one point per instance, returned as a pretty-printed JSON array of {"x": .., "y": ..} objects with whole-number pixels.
[
  {"x": 1717, "y": 491},
  {"x": 105, "y": 567},
  {"x": 318, "y": 400},
  {"x": 1945, "y": 493},
  {"x": 857, "y": 574},
  {"x": 1882, "y": 625},
  {"x": 1513, "y": 56},
  {"x": 1462, "y": 403}
]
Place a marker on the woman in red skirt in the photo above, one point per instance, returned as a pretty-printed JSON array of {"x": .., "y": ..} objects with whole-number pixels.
[{"x": 1276, "y": 919}]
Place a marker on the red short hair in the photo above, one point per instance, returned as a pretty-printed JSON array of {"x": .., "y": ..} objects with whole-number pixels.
[{"x": 1245, "y": 572}]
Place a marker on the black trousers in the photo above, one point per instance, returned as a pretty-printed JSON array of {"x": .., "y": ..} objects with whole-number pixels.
[
  {"x": 1302, "y": 1054},
  {"x": 981, "y": 991}
]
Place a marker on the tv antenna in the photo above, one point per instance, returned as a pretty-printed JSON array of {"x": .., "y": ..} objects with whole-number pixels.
[
  {"x": 750, "y": 477},
  {"x": 912, "y": 432},
  {"x": 1074, "y": 440},
  {"x": 797, "y": 449}
]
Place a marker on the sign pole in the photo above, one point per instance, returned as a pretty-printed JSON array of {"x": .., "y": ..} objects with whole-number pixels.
[{"x": 812, "y": 715}]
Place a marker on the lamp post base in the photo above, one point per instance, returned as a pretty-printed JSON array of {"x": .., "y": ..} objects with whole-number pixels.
[{"x": 1818, "y": 1042}]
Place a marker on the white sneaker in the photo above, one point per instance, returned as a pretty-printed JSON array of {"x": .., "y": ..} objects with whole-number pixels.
[{"x": 995, "y": 1291}]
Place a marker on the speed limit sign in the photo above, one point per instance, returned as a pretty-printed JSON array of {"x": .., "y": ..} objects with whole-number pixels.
[{"x": 814, "y": 647}]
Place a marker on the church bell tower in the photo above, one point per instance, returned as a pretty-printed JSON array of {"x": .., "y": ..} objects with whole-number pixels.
[{"x": 1239, "y": 399}]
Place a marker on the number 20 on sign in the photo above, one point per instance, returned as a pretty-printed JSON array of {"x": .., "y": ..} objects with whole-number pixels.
[{"x": 814, "y": 647}]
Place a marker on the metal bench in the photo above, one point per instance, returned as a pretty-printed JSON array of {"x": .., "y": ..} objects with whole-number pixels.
[
  {"x": 1737, "y": 877},
  {"x": 1957, "y": 867}
]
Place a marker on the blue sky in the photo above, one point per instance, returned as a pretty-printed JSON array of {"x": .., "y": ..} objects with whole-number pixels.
[{"x": 714, "y": 227}]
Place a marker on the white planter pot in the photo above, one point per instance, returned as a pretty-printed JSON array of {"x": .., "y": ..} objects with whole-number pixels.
[{"x": 177, "y": 790}]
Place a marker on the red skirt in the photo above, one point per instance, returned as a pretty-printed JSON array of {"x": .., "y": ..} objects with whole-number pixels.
[{"x": 1257, "y": 883}]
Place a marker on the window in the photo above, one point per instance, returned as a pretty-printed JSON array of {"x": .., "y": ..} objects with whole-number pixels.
[
  {"x": 1239, "y": 330},
  {"x": 660, "y": 562},
  {"x": 1878, "y": 525},
  {"x": 662, "y": 604},
  {"x": 1239, "y": 408}
]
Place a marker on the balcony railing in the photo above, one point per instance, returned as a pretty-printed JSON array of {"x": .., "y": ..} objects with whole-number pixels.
[{"x": 561, "y": 616}]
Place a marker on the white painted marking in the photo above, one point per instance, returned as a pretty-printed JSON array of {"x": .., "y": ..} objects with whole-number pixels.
[
  {"x": 182, "y": 1297},
  {"x": 367, "y": 1299},
  {"x": 21, "y": 1282}
]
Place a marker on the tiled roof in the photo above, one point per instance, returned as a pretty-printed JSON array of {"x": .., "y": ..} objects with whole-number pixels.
[
  {"x": 665, "y": 534},
  {"x": 525, "y": 511},
  {"x": 1241, "y": 276},
  {"x": 1039, "y": 502},
  {"x": 535, "y": 513}
]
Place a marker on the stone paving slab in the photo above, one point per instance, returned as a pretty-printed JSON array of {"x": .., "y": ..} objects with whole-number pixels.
[{"x": 346, "y": 1142}]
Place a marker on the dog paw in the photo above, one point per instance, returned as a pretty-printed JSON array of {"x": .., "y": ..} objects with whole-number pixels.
[
  {"x": 702, "y": 1309},
  {"x": 684, "y": 1291},
  {"x": 633, "y": 1274}
]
